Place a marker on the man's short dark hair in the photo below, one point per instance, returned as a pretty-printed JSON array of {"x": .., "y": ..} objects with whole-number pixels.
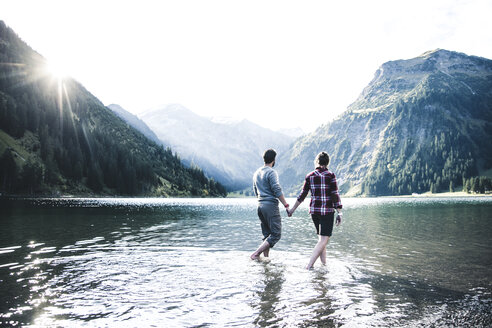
[{"x": 269, "y": 156}]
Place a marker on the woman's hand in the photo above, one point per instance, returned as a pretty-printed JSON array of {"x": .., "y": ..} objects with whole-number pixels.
[{"x": 338, "y": 220}]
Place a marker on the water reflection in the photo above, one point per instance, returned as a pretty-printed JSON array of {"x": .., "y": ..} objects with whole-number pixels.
[
  {"x": 272, "y": 279},
  {"x": 321, "y": 304},
  {"x": 126, "y": 262}
]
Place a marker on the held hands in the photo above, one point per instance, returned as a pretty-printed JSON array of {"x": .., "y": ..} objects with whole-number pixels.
[
  {"x": 286, "y": 205},
  {"x": 290, "y": 212}
]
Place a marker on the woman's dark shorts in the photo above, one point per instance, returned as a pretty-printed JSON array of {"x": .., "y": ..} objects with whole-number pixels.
[{"x": 323, "y": 223}]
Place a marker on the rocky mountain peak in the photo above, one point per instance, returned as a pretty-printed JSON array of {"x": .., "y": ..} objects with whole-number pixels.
[
  {"x": 434, "y": 61},
  {"x": 401, "y": 78}
]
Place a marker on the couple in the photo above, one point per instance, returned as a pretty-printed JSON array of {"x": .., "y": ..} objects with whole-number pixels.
[{"x": 324, "y": 201}]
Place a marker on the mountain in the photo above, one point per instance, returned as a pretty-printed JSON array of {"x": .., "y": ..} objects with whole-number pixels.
[
  {"x": 292, "y": 132},
  {"x": 229, "y": 151},
  {"x": 57, "y": 138},
  {"x": 134, "y": 122},
  {"x": 423, "y": 124}
]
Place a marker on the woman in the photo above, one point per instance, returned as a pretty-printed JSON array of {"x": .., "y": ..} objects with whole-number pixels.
[{"x": 324, "y": 201}]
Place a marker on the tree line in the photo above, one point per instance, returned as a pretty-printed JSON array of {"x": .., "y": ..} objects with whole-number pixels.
[{"x": 477, "y": 185}]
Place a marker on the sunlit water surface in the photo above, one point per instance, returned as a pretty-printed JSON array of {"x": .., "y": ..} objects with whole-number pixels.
[{"x": 185, "y": 263}]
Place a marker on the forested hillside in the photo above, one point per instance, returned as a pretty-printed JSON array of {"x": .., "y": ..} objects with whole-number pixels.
[
  {"x": 57, "y": 138},
  {"x": 135, "y": 122},
  {"x": 423, "y": 124}
]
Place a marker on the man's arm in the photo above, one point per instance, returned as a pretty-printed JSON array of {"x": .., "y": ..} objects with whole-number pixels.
[
  {"x": 283, "y": 201},
  {"x": 275, "y": 186}
]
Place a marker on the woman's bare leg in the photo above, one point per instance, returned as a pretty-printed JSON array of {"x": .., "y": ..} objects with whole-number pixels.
[
  {"x": 318, "y": 250},
  {"x": 322, "y": 256}
]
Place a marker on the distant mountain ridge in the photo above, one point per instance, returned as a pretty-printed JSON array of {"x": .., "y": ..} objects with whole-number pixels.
[
  {"x": 56, "y": 138},
  {"x": 422, "y": 124},
  {"x": 229, "y": 151},
  {"x": 135, "y": 122}
]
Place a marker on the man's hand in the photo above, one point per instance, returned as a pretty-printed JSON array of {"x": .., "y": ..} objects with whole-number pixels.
[{"x": 286, "y": 205}]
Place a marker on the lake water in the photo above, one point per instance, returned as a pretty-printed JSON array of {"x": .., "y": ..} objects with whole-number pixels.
[{"x": 185, "y": 263}]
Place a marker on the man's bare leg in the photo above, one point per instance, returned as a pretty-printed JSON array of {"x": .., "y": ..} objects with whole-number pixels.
[
  {"x": 264, "y": 247},
  {"x": 318, "y": 249}
]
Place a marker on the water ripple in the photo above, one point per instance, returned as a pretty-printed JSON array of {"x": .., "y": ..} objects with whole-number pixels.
[{"x": 185, "y": 262}]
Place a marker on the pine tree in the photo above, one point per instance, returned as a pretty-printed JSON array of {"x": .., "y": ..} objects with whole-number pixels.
[
  {"x": 8, "y": 171},
  {"x": 31, "y": 176},
  {"x": 476, "y": 185}
]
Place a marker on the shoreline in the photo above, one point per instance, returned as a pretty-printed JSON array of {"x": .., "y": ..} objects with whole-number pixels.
[
  {"x": 442, "y": 194},
  {"x": 457, "y": 194}
]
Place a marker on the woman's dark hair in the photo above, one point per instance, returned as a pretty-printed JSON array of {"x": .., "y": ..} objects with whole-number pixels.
[
  {"x": 269, "y": 156},
  {"x": 322, "y": 159}
]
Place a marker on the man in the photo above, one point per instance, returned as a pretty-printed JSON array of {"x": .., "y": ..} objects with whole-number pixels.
[{"x": 268, "y": 190}]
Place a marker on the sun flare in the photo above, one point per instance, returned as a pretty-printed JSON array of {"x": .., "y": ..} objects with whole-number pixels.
[{"x": 57, "y": 70}]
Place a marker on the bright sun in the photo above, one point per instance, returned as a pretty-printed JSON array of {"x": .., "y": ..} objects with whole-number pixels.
[{"x": 57, "y": 70}]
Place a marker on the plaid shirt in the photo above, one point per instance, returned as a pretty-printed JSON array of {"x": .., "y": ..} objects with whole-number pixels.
[{"x": 324, "y": 191}]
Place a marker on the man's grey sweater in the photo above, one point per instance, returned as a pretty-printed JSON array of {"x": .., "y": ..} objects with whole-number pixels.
[{"x": 266, "y": 185}]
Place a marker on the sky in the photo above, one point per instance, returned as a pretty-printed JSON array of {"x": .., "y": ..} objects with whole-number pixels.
[{"x": 279, "y": 63}]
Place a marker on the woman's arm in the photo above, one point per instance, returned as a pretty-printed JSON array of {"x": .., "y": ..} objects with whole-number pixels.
[
  {"x": 302, "y": 196},
  {"x": 292, "y": 210},
  {"x": 337, "y": 202}
]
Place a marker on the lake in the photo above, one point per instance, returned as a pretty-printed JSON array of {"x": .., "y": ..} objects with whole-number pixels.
[{"x": 185, "y": 263}]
